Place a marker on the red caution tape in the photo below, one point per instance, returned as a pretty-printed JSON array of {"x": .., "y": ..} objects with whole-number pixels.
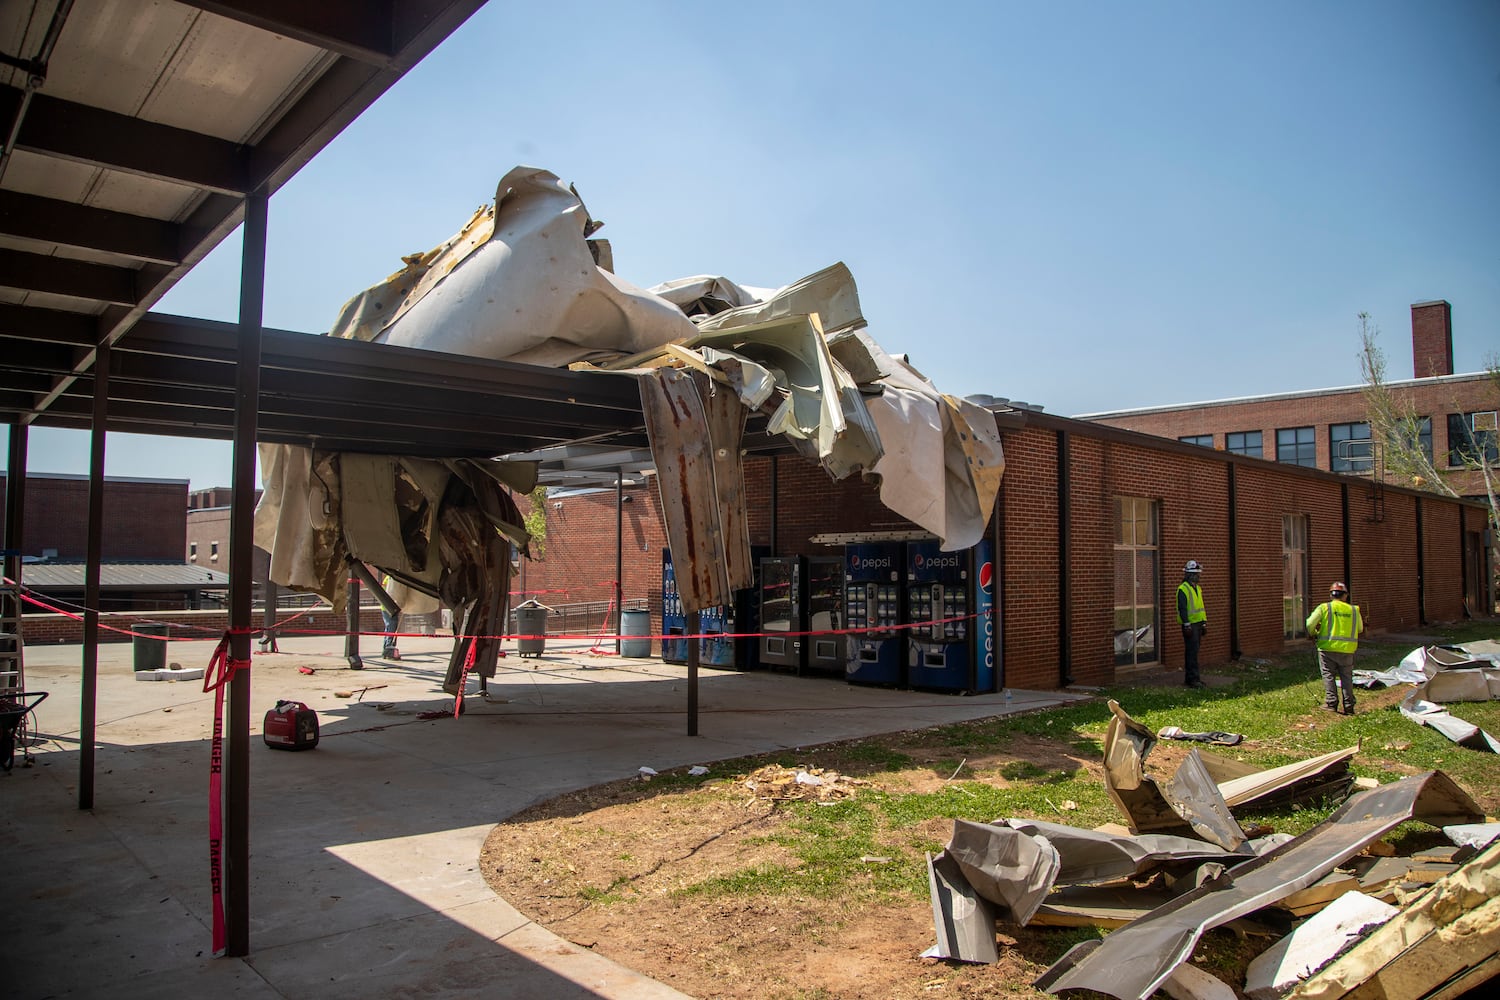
[{"x": 221, "y": 669}]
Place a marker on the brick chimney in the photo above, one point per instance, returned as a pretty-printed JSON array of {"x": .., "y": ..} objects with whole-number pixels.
[{"x": 1431, "y": 339}]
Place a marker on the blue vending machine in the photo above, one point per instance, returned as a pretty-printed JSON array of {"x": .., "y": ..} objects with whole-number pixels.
[
  {"x": 715, "y": 649},
  {"x": 873, "y": 600},
  {"x": 950, "y": 601}
]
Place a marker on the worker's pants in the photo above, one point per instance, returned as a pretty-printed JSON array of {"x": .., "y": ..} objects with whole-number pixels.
[
  {"x": 1192, "y": 638},
  {"x": 1336, "y": 668}
]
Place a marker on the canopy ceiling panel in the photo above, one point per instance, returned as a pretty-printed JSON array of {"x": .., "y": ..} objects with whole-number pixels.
[{"x": 133, "y": 132}]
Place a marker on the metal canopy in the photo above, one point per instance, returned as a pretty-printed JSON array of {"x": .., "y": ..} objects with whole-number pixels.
[{"x": 132, "y": 135}]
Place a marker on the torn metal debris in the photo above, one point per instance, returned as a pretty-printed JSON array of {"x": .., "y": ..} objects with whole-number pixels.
[{"x": 1132, "y": 962}]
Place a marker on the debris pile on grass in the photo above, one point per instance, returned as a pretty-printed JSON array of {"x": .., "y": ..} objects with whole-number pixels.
[{"x": 784, "y": 784}]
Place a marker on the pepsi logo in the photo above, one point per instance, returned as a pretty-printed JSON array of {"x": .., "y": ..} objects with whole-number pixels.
[{"x": 986, "y": 575}]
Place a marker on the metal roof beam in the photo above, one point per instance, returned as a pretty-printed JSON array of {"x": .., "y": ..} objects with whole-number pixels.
[
  {"x": 57, "y": 326},
  {"x": 63, "y": 276},
  {"x": 54, "y": 127},
  {"x": 360, "y": 29},
  {"x": 48, "y": 220}
]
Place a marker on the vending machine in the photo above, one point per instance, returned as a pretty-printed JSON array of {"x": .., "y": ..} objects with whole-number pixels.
[
  {"x": 823, "y": 616},
  {"x": 950, "y": 603},
  {"x": 716, "y": 625},
  {"x": 780, "y": 590},
  {"x": 874, "y": 601}
]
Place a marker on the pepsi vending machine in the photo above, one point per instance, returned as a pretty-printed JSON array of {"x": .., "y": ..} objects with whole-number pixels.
[
  {"x": 873, "y": 601},
  {"x": 950, "y": 599},
  {"x": 801, "y": 609}
]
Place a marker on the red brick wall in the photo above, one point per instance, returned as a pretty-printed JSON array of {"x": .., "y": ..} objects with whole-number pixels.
[
  {"x": 49, "y": 629},
  {"x": 144, "y": 520},
  {"x": 1431, "y": 339},
  {"x": 1028, "y": 591}
]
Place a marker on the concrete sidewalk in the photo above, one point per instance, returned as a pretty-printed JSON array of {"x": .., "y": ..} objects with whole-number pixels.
[{"x": 364, "y": 851}]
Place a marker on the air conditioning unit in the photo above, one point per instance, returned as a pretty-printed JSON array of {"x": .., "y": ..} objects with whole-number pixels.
[{"x": 1484, "y": 420}]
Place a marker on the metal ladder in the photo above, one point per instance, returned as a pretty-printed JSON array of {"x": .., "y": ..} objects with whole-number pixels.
[{"x": 12, "y": 655}]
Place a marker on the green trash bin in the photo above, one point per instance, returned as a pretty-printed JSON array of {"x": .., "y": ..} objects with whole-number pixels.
[{"x": 150, "y": 642}]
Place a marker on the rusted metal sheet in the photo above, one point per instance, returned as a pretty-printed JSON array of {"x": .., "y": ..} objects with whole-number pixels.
[
  {"x": 1132, "y": 962},
  {"x": 726, "y": 430},
  {"x": 700, "y": 529}
]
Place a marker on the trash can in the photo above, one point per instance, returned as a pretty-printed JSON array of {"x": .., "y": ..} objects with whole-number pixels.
[
  {"x": 531, "y": 627},
  {"x": 150, "y": 646},
  {"x": 635, "y": 623}
]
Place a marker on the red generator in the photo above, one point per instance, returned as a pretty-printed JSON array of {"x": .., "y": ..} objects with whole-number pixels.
[{"x": 291, "y": 725}]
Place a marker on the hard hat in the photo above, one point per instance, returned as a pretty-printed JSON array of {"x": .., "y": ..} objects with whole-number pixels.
[
  {"x": 1192, "y": 566},
  {"x": 1338, "y": 588}
]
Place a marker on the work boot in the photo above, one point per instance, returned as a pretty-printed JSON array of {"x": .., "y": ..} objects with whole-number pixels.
[
  {"x": 1349, "y": 709},
  {"x": 391, "y": 653}
]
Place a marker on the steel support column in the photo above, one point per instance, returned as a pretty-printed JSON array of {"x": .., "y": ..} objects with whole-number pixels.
[
  {"x": 15, "y": 501},
  {"x": 690, "y": 628},
  {"x": 88, "y": 705},
  {"x": 1421, "y": 567},
  {"x": 1234, "y": 564},
  {"x": 619, "y": 560},
  {"x": 242, "y": 577}
]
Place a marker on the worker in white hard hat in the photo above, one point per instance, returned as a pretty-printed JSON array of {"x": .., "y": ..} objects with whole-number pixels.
[
  {"x": 1336, "y": 625},
  {"x": 1193, "y": 619}
]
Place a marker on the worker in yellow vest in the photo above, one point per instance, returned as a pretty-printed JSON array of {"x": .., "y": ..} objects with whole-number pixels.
[
  {"x": 1193, "y": 619},
  {"x": 1336, "y": 625}
]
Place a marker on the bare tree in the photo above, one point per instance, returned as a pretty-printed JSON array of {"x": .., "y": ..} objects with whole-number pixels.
[{"x": 1396, "y": 429}]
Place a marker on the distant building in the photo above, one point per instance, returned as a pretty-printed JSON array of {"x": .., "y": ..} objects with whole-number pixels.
[
  {"x": 1327, "y": 428},
  {"x": 207, "y": 533}
]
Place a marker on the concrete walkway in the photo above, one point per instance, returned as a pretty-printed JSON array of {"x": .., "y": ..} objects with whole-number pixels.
[{"x": 364, "y": 851}]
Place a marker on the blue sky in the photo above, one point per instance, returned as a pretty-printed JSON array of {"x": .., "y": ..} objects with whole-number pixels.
[{"x": 1086, "y": 206}]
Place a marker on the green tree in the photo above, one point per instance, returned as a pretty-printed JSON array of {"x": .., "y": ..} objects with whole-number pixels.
[{"x": 534, "y": 520}]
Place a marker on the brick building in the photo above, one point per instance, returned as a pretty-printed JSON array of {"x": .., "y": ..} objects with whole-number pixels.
[
  {"x": 1094, "y": 524},
  {"x": 207, "y": 533},
  {"x": 145, "y": 520},
  {"x": 1328, "y": 428}
]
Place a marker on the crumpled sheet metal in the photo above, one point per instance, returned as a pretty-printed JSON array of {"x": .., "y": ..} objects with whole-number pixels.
[
  {"x": 1132, "y": 962},
  {"x": 1465, "y": 734},
  {"x": 1258, "y": 788},
  {"x": 1192, "y": 801},
  {"x": 320, "y": 508},
  {"x": 1195, "y": 797},
  {"x": 1093, "y": 857},
  {"x": 965, "y": 920},
  {"x": 521, "y": 285},
  {"x": 986, "y": 873},
  {"x": 1441, "y": 945}
]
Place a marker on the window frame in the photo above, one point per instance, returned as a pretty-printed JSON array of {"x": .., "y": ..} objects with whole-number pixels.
[
  {"x": 1129, "y": 548},
  {"x": 1462, "y": 453},
  {"x": 1244, "y": 447},
  {"x": 1201, "y": 440},
  {"x": 1350, "y": 465},
  {"x": 1298, "y": 445}
]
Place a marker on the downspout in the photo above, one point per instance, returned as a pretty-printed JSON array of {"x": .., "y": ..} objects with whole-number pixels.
[
  {"x": 1064, "y": 577},
  {"x": 1421, "y": 570},
  {"x": 1234, "y": 567},
  {"x": 1348, "y": 561}
]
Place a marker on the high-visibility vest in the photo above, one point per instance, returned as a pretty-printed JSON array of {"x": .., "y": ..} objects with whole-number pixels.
[
  {"x": 1337, "y": 626},
  {"x": 1194, "y": 603}
]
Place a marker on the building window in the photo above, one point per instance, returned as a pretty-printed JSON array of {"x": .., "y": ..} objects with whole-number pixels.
[
  {"x": 1245, "y": 443},
  {"x": 192, "y": 551},
  {"x": 1472, "y": 437},
  {"x": 1294, "y": 576},
  {"x": 1202, "y": 440},
  {"x": 1137, "y": 582},
  {"x": 213, "y": 551},
  {"x": 1297, "y": 446},
  {"x": 1349, "y": 448}
]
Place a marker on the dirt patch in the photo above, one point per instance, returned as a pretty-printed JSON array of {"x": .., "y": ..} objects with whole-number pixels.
[{"x": 693, "y": 882}]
